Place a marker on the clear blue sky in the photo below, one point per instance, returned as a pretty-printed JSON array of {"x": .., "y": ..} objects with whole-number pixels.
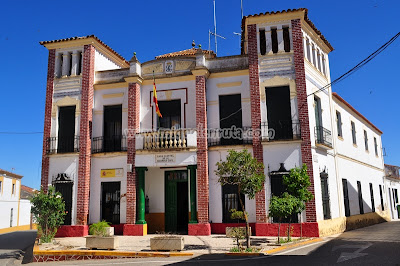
[{"x": 354, "y": 28}]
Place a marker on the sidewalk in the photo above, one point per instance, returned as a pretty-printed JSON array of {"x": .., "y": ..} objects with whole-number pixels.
[{"x": 193, "y": 244}]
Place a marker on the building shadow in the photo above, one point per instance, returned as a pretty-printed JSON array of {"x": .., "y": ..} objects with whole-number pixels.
[{"x": 20, "y": 240}]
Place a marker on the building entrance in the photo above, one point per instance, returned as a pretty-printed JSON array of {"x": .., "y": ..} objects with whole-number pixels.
[{"x": 176, "y": 201}]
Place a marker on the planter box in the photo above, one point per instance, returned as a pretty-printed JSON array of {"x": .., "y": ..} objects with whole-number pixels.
[
  {"x": 229, "y": 230},
  {"x": 99, "y": 242},
  {"x": 167, "y": 243},
  {"x": 109, "y": 231}
]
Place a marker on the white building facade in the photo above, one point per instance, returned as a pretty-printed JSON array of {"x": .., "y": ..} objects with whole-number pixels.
[{"x": 114, "y": 159}]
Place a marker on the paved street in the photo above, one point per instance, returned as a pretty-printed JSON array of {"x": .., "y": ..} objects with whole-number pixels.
[
  {"x": 374, "y": 245},
  {"x": 11, "y": 245}
]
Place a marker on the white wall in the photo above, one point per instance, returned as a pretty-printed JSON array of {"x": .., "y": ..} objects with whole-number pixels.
[
  {"x": 215, "y": 190},
  {"x": 392, "y": 184},
  {"x": 9, "y": 201},
  {"x": 68, "y": 164},
  {"x": 103, "y": 63},
  {"x": 25, "y": 212},
  {"x": 108, "y": 161}
]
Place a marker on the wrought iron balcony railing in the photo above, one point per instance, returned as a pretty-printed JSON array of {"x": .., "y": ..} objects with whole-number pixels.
[
  {"x": 166, "y": 139},
  {"x": 281, "y": 130},
  {"x": 230, "y": 136},
  {"x": 56, "y": 145},
  {"x": 112, "y": 144},
  {"x": 323, "y": 136}
]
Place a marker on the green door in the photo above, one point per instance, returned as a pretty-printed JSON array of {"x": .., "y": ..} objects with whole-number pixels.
[{"x": 176, "y": 201}]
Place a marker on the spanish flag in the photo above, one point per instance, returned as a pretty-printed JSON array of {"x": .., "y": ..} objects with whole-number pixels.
[{"x": 155, "y": 96}]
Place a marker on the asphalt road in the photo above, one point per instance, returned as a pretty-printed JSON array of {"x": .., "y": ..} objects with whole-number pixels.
[
  {"x": 11, "y": 245},
  {"x": 374, "y": 245}
]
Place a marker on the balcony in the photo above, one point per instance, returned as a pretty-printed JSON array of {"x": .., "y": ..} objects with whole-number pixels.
[
  {"x": 323, "y": 137},
  {"x": 116, "y": 143},
  {"x": 281, "y": 130},
  {"x": 230, "y": 136},
  {"x": 56, "y": 145},
  {"x": 165, "y": 139}
]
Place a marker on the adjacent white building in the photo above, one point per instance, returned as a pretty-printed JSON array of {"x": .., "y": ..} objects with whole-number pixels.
[{"x": 110, "y": 155}]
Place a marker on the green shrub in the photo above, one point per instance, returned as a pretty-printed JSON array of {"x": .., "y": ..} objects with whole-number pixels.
[{"x": 99, "y": 229}]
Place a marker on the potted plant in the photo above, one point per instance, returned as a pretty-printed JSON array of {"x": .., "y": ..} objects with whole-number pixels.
[{"x": 101, "y": 236}]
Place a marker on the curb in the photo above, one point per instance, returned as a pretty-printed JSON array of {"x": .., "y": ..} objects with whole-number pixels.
[
  {"x": 275, "y": 250},
  {"x": 109, "y": 253},
  {"x": 245, "y": 254}
]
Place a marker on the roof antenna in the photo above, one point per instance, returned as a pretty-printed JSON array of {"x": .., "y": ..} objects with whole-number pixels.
[{"x": 214, "y": 33}]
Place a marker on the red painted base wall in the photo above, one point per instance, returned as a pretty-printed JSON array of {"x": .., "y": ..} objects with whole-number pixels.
[
  {"x": 199, "y": 229},
  {"x": 219, "y": 228},
  {"x": 73, "y": 231},
  {"x": 304, "y": 229},
  {"x": 133, "y": 230}
]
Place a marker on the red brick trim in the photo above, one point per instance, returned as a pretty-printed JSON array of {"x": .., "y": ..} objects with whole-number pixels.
[
  {"x": 303, "y": 229},
  {"x": 202, "y": 154},
  {"x": 306, "y": 153},
  {"x": 133, "y": 127},
  {"x": 255, "y": 102},
  {"x": 85, "y": 135},
  {"x": 47, "y": 118},
  {"x": 72, "y": 231},
  {"x": 203, "y": 229}
]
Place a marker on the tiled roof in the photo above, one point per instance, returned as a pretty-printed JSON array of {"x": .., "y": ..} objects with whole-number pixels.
[
  {"x": 4, "y": 172},
  {"x": 87, "y": 37},
  {"x": 27, "y": 189},
  {"x": 335, "y": 95},
  {"x": 288, "y": 11},
  {"x": 187, "y": 52}
]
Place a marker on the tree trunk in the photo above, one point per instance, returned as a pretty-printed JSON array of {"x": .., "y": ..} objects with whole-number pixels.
[
  {"x": 279, "y": 230},
  {"x": 245, "y": 217}
]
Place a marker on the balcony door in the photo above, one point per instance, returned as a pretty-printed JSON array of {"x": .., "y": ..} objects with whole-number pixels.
[
  {"x": 230, "y": 115},
  {"x": 112, "y": 128},
  {"x": 318, "y": 119},
  {"x": 66, "y": 129},
  {"x": 171, "y": 114},
  {"x": 279, "y": 112}
]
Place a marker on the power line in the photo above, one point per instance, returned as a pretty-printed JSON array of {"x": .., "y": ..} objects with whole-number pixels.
[
  {"x": 19, "y": 133},
  {"x": 359, "y": 65}
]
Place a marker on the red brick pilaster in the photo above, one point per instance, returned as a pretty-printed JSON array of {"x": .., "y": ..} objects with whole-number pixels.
[
  {"x": 133, "y": 127},
  {"x": 85, "y": 135},
  {"x": 47, "y": 118},
  {"x": 306, "y": 153},
  {"x": 255, "y": 100},
  {"x": 203, "y": 226}
]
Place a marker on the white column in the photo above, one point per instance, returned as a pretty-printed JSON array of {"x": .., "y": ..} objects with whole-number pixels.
[
  {"x": 66, "y": 64},
  {"x": 268, "y": 40},
  {"x": 75, "y": 63},
  {"x": 58, "y": 63},
  {"x": 281, "y": 45},
  {"x": 81, "y": 66}
]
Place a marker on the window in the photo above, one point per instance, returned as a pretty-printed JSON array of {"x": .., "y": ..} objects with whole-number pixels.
[
  {"x": 1, "y": 186},
  {"x": 230, "y": 200},
  {"x": 346, "y": 198},
  {"x": 371, "y": 191},
  {"x": 380, "y": 193},
  {"x": 396, "y": 196},
  {"x": 313, "y": 55},
  {"x": 339, "y": 124},
  {"x": 230, "y": 115},
  {"x": 360, "y": 198},
  {"x": 319, "y": 60},
  {"x": 66, "y": 129},
  {"x": 366, "y": 140},
  {"x": 286, "y": 39},
  {"x": 308, "y": 50},
  {"x": 323, "y": 65},
  {"x": 279, "y": 112},
  {"x": 13, "y": 189},
  {"x": 263, "y": 43},
  {"x": 376, "y": 146},
  {"x": 11, "y": 217},
  {"x": 325, "y": 195},
  {"x": 353, "y": 132},
  {"x": 274, "y": 40}
]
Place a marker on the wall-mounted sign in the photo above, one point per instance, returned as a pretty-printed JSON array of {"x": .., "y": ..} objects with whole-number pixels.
[
  {"x": 118, "y": 172},
  {"x": 165, "y": 158}
]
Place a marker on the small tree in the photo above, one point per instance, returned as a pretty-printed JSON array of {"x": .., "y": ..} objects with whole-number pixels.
[
  {"x": 282, "y": 207},
  {"x": 243, "y": 170},
  {"x": 297, "y": 184},
  {"x": 48, "y": 210}
]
